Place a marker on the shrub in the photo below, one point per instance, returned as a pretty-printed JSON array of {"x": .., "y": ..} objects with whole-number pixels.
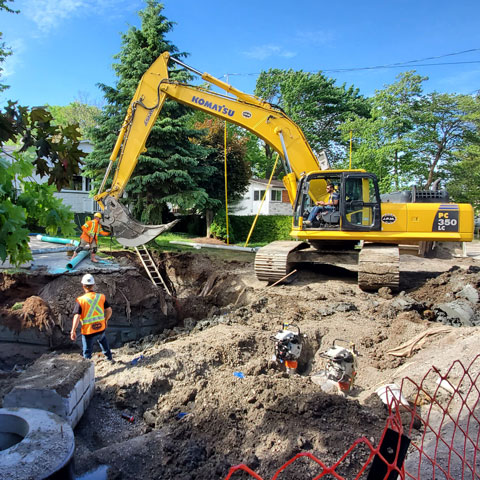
[{"x": 267, "y": 229}]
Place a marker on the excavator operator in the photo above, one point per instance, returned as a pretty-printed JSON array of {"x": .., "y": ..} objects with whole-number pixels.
[
  {"x": 89, "y": 238},
  {"x": 324, "y": 206}
]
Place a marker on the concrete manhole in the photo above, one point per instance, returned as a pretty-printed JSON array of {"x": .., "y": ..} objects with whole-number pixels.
[
  {"x": 12, "y": 430},
  {"x": 34, "y": 444}
]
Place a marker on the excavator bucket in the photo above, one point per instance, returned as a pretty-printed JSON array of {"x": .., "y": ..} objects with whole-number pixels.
[{"x": 125, "y": 229}]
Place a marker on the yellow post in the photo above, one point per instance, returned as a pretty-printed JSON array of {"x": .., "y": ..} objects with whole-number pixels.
[
  {"x": 226, "y": 191},
  {"x": 350, "y": 149},
  {"x": 261, "y": 203}
]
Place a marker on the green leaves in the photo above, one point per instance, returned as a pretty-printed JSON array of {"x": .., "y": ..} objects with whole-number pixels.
[
  {"x": 13, "y": 235},
  {"x": 413, "y": 138},
  {"x": 45, "y": 210},
  {"x": 56, "y": 149},
  {"x": 26, "y": 205},
  {"x": 316, "y": 104}
]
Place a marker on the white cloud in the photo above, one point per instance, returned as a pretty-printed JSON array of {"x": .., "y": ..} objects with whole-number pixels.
[
  {"x": 261, "y": 52},
  {"x": 49, "y": 14},
  {"x": 13, "y": 61}
]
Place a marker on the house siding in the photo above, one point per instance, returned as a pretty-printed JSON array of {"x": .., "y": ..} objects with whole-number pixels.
[{"x": 248, "y": 206}]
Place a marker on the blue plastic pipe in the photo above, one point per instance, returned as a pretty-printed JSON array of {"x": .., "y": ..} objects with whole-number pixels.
[
  {"x": 75, "y": 261},
  {"x": 44, "y": 238}
]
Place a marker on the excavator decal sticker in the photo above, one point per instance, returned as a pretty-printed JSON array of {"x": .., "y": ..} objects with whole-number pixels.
[
  {"x": 446, "y": 219},
  {"x": 389, "y": 218},
  {"x": 213, "y": 106},
  {"x": 149, "y": 115}
]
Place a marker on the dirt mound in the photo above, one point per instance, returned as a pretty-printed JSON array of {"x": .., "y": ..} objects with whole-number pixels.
[
  {"x": 206, "y": 240},
  {"x": 205, "y": 392},
  {"x": 217, "y": 398},
  {"x": 446, "y": 286},
  {"x": 33, "y": 313}
]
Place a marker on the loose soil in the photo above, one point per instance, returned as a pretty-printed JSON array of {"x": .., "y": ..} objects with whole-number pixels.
[{"x": 205, "y": 392}]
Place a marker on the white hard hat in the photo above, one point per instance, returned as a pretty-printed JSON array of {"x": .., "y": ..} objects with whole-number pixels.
[{"x": 88, "y": 279}]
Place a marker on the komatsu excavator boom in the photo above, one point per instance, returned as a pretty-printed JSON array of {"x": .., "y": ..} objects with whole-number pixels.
[
  {"x": 264, "y": 120},
  {"x": 361, "y": 217}
]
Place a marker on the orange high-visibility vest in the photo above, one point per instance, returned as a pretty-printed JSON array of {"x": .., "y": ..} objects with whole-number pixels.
[
  {"x": 93, "y": 312},
  {"x": 91, "y": 229}
]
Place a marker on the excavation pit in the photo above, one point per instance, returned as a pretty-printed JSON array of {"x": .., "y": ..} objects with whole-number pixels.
[{"x": 193, "y": 416}]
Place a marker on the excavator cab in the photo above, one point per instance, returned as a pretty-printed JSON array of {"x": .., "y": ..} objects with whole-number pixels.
[{"x": 357, "y": 209}]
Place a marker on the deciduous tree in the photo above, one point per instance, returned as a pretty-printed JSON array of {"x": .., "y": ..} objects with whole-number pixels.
[
  {"x": 35, "y": 144},
  {"x": 80, "y": 112},
  {"x": 413, "y": 138},
  {"x": 316, "y": 104}
]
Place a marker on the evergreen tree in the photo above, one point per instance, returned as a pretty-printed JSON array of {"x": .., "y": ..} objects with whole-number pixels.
[{"x": 172, "y": 169}]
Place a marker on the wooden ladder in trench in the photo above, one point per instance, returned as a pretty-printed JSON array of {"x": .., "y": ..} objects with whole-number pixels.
[{"x": 151, "y": 268}]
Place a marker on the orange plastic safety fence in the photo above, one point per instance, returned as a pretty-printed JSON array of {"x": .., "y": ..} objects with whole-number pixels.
[{"x": 438, "y": 429}]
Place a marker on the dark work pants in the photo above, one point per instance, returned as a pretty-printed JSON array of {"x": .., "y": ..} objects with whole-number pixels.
[{"x": 87, "y": 344}]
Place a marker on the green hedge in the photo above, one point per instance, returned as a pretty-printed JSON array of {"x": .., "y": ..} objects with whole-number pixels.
[{"x": 267, "y": 229}]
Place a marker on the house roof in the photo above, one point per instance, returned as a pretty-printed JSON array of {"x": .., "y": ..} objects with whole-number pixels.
[{"x": 264, "y": 181}]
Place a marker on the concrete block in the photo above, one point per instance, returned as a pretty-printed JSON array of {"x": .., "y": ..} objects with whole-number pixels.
[{"x": 61, "y": 384}]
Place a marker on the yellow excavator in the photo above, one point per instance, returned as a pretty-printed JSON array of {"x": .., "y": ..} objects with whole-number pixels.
[{"x": 361, "y": 231}]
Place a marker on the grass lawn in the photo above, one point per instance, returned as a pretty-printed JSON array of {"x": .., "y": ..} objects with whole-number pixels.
[{"x": 162, "y": 243}]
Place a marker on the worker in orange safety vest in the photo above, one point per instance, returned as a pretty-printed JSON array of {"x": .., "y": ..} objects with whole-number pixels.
[
  {"x": 93, "y": 311},
  {"x": 89, "y": 238}
]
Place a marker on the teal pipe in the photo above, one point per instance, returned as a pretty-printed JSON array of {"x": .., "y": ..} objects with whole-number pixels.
[
  {"x": 75, "y": 261},
  {"x": 44, "y": 238}
]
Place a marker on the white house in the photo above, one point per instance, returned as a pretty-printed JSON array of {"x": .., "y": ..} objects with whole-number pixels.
[
  {"x": 77, "y": 194},
  {"x": 276, "y": 202}
]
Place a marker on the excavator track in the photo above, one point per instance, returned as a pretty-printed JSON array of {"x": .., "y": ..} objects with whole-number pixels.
[
  {"x": 271, "y": 261},
  {"x": 379, "y": 266}
]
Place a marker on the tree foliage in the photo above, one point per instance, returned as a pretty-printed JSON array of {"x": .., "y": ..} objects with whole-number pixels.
[
  {"x": 413, "y": 138},
  {"x": 463, "y": 182},
  {"x": 173, "y": 168},
  {"x": 26, "y": 204},
  {"x": 57, "y": 153},
  {"x": 79, "y": 113},
  {"x": 36, "y": 144},
  {"x": 382, "y": 141},
  {"x": 238, "y": 169},
  {"x": 316, "y": 104},
  {"x": 448, "y": 126}
]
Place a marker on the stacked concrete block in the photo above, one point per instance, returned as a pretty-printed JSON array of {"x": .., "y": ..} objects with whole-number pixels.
[{"x": 61, "y": 384}]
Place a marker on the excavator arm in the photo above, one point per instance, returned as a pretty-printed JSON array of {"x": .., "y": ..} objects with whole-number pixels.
[{"x": 265, "y": 121}]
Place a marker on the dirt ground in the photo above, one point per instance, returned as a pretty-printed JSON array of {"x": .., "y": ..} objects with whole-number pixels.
[{"x": 205, "y": 392}]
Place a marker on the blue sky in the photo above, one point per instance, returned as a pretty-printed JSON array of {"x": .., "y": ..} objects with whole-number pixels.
[{"x": 63, "y": 48}]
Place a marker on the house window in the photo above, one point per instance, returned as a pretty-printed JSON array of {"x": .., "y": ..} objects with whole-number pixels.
[
  {"x": 276, "y": 196},
  {"x": 76, "y": 183},
  {"x": 88, "y": 184},
  {"x": 258, "y": 195}
]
